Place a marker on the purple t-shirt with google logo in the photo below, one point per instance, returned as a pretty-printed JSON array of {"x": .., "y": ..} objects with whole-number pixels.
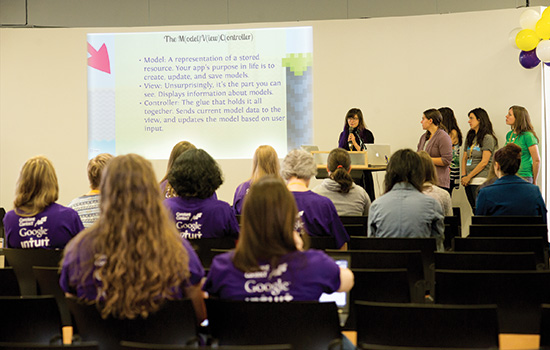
[
  {"x": 299, "y": 276},
  {"x": 51, "y": 228}
]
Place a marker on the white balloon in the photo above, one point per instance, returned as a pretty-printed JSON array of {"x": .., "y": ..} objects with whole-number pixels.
[
  {"x": 543, "y": 51},
  {"x": 529, "y": 19},
  {"x": 512, "y": 37}
]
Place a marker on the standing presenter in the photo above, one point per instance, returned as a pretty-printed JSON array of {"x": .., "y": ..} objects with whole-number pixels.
[{"x": 355, "y": 137}]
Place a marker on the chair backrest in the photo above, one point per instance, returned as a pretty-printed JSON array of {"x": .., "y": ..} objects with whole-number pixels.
[
  {"x": 48, "y": 284},
  {"x": 427, "y": 325},
  {"x": 426, "y": 245},
  {"x": 29, "y": 319},
  {"x": 507, "y": 220},
  {"x": 22, "y": 261},
  {"x": 485, "y": 261},
  {"x": 322, "y": 243},
  {"x": 241, "y": 323},
  {"x": 41, "y": 346},
  {"x": 505, "y": 244},
  {"x": 203, "y": 247},
  {"x": 452, "y": 229},
  {"x": 9, "y": 285},
  {"x": 125, "y": 345},
  {"x": 173, "y": 323},
  {"x": 509, "y": 230},
  {"x": 390, "y": 259},
  {"x": 518, "y": 294},
  {"x": 355, "y": 225},
  {"x": 382, "y": 285}
]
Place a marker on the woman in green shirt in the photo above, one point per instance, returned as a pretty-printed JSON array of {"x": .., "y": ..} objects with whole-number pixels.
[{"x": 523, "y": 135}]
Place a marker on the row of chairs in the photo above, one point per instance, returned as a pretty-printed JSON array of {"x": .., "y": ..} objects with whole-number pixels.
[{"x": 302, "y": 325}]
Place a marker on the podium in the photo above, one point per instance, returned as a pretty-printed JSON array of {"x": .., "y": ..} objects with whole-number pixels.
[{"x": 359, "y": 163}]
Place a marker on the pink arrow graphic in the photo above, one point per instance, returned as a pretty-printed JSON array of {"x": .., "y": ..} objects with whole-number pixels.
[{"x": 99, "y": 59}]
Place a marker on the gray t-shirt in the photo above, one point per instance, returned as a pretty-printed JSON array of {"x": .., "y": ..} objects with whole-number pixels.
[{"x": 475, "y": 153}]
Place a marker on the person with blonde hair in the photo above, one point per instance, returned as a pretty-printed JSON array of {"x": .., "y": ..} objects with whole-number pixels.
[
  {"x": 36, "y": 220},
  {"x": 347, "y": 197},
  {"x": 87, "y": 206},
  {"x": 317, "y": 213},
  {"x": 132, "y": 259},
  {"x": 523, "y": 134},
  {"x": 180, "y": 147},
  {"x": 430, "y": 187},
  {"x": 265, "y": 162}
]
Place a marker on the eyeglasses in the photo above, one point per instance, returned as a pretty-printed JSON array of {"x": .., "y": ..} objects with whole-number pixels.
[{"x": 353, "y": 118}]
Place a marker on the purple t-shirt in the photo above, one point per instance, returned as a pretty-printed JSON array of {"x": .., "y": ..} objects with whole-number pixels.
[
  {"x": 52, "y": 228},
  {"x": 88, "y": 290},
  {"x": 299, "y": 276},
  {"x": 203, "y": 218},
  {"x": 238, "y": 198},
  {"x": 320, "y": 216}
]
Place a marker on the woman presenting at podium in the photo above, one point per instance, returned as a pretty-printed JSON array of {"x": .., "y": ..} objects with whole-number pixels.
[{"x": 354, "y": 137}]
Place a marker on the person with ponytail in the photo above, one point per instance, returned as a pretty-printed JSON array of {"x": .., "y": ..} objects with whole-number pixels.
[
  {"x": 348, "y": 198},
  {"x": 510, "y": 194}
]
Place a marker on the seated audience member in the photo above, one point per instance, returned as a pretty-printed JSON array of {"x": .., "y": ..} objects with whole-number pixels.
[
  {"x": 270, "y": 246},
  {"x": 348, "y": 198},
  {"x": 132, "y": 259},
  {"x": 87, "y": 206},
  {"x": 510, "y": 194},
  {"x": 317, "y": 213},
  {"x": 403, "y": 210},
  {"x": 430, "y": 187},
  {"x": 195, "y": 176},
  {"x": 265, "y": 162},
  {"x": 36, "y": 220},
  {"x": 178, "y": 149}
]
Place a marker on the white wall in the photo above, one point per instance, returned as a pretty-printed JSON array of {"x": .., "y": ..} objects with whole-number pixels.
[{"x": 391, "y": 68}]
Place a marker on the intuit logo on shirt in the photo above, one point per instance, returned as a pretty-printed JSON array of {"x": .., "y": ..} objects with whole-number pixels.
[
  {"x": 188, "y": 226},
  {"x": 34, "y": 241},
  {"x": 270, "y": 291}
]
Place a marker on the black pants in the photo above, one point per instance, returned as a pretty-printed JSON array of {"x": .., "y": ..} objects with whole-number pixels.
[{"x": 367, "y": 183}]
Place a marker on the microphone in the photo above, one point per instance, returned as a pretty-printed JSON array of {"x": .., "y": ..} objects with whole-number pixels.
[{"x": 350, "y": 144}]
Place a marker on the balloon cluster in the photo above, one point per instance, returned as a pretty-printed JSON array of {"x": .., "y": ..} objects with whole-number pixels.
[{"x": 532, "y": 38}]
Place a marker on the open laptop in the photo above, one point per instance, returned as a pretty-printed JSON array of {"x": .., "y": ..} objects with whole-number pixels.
[
  {"x": 340, "y": 298},
  {"x": 378, "y": 154},
  {"x": 310, "y": 148}
]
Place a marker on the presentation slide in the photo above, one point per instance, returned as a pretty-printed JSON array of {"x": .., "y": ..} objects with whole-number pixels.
[{"x": 226, "y": 91}]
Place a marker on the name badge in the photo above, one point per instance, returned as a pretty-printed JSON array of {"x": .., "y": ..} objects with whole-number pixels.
[{"x": 468, "y": 162}]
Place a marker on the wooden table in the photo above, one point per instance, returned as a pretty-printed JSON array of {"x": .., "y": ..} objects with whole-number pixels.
[{"x": 506, "y": 341}]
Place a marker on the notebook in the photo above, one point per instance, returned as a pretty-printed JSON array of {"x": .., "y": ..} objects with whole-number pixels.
[{"x": 378, "y": 154}]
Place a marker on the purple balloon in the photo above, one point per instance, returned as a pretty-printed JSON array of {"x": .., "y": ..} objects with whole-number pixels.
[{"x": 529, "y": 59}]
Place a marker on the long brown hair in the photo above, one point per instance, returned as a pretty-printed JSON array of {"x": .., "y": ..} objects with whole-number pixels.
[
  {"x": 430, "y": 174},
  {"x": 523, "y": 121},
  {"x": 265, "y": 162},
  {"x": 133, "y": 251},
  {"x": 267, "y": 224},
  {"x": 37, "y": 187}
]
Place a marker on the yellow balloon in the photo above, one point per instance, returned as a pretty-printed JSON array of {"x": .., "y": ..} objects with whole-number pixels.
[
  {"x": 527, "y": 40},
  {"x": 542, "y": 29},
  {"x": 546, "y": 12}
]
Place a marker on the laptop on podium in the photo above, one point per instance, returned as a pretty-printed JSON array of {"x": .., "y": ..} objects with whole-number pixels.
[{"x": 378, "y": 154}]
